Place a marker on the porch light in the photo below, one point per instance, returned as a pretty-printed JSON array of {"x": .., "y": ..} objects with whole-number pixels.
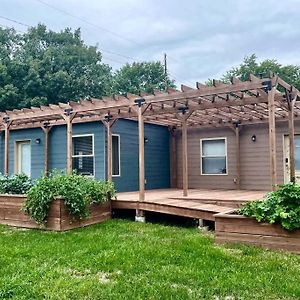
[
  {"x": 108, "y": 118},
  {"x": 183, "y": 109},
  {"x": 253, "y": 138},
  {"x": 267, "y": 85},
  {"x": 46, "y": 124},
  {"x": 146, "y": 140},
  {"x": 139, "y": 101},
  {"x": 37, "y": 141}
]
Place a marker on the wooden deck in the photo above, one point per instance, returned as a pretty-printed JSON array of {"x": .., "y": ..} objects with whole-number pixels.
[{"x": 200, "y": 204}]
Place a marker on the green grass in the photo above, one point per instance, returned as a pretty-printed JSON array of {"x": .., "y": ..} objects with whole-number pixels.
[{"x": 126, "y": 260}]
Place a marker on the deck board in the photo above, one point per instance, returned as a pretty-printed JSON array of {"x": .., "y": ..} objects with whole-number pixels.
[{"x": 198, "y": 204}]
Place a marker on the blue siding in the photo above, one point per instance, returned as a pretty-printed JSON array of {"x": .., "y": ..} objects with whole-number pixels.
[
  {"x": 37, "y": 150},
  {"x": 58, "y": 145},
  {"x": 157, "y": 166}
]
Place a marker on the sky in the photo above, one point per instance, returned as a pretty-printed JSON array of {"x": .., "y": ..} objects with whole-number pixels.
[{"x": 202, "y": 39}]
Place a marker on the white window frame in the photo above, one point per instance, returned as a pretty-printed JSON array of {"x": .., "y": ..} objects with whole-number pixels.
[
  {"x": 86, "y": 155},
  {"x": 119, "y": 140},
  {"x": 201, "y": 156},
  {"x": 17, "y": 157}
]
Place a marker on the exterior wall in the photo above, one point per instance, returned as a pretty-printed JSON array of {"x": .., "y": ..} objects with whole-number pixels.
[
  {"x": 255, "y": 161},
  {"x": 37, "y": 150},
  {"x": 157, "y": 166},
  {"x": 58, "y": 146},
  {"x": 195, "y": 179}
]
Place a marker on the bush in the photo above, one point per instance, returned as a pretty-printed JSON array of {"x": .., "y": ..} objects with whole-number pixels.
[
  {"x": 281, "y": 206},
  {"x": 78, "y": 193},
  {"x": 15, "y": 184}
]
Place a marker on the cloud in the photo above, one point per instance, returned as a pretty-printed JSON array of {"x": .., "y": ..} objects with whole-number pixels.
[{"x": 202, "y": 39}]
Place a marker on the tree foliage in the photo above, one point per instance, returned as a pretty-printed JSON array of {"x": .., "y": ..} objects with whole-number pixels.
[
  {"x": 144, "y": 76},
  {"x": 250, "y": 65},
  {"x": 42, "y": 67}
]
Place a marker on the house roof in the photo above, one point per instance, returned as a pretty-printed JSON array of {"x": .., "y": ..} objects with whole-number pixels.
[{"x": 219, "y": 105}]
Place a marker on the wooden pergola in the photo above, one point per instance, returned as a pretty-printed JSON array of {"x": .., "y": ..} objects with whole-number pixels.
[{"x": 258, "y": 100}]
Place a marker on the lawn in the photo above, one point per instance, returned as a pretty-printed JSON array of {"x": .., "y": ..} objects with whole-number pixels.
[{"x": 121, "y": 259}]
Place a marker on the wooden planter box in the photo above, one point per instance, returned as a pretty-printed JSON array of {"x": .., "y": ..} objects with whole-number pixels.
[
  {"x": 231, "y": 228},
  {"x": 58, "y": 218}
]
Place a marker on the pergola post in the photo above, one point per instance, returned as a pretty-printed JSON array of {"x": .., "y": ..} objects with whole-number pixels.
[
  {"x": 69, "y": 116},
  {"x": 272, "y": 137},
  {"x": 46, "y": 128},
  {"x": 140, "y": 217},
  {"x": 183, "y": 118},
  {"x": 7, "y": 124},
  {"x": 109, "y": 122},
  {"x": 184, "y": 158},
  {"x": 291, "y": 103}
]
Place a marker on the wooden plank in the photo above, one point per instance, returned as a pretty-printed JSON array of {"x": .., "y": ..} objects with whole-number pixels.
[
  {"x": 6, "y": 148},
  {"x": 290, "y": 244},
  {"x": 119, "y": 204},
  {"x": 46, "y": 130},
  {"x": 109, "y": 151},
  {"x": 184, "y": 158},
  {"x": 141, "y": 155},
  {"x": 178, "y": 211},
  {"x": 272, "y": 138},
  {"x": 292, "y": 142},
  {"x": 69, "y": 145},
  {"x": 238, "y": 156},
  {"x": 11, "y": 214}
]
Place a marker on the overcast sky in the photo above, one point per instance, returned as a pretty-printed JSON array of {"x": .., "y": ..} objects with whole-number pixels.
[{"x": 202, "y": 39}]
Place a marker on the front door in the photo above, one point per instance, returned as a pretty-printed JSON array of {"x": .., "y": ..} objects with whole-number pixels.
[
  {"x": 287, "y": 158},
  {"x": 23, "y": 158}
]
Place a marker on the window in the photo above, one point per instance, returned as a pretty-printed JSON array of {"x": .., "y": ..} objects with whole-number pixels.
[
  {"x": 83, "y": 154},
  {"x": 116, "y": 155},
  {"x": 213, "y": 156},
  {"x": 23, "y": 158}
]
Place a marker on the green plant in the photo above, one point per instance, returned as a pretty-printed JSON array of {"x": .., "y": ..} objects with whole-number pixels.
[
  {"x": 78, "y": 193},
  {"x": 281, "y": 206},
  {"x": 15, "y": 184}
]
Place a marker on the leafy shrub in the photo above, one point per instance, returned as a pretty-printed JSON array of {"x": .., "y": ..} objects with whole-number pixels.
[
  {"x": 78, "y": 193},
  {"x": 15, "y": 184},
  {"x": 281, "y": 206}
]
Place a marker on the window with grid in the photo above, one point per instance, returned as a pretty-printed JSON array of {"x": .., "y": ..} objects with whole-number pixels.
[
  {"x": 83, "y": 154},
  {"x": 213, "y": 156}
]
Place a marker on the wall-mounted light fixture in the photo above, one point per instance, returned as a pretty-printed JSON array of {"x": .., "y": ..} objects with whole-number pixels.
[
  {"x": 38, "y": 141},
  {"x": 146, "y": 140},
  {"x": 253, "y": 138}
]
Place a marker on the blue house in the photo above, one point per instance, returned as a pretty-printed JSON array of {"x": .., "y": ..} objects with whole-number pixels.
[{"x": 89, "y": 152}]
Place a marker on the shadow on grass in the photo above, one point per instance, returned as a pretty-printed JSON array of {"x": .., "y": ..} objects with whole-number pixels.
[{"x": 163, "y": 219}]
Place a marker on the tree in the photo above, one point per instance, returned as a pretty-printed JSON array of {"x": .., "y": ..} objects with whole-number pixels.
[
  {"x": 141, "y": 77},
  {"x": 43, "y": 67},
  {"x": 289, "y": 73}
]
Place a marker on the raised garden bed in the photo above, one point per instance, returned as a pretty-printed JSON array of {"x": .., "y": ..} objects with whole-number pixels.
[
  {"x": 233, "y": 228},
  {"x": 58, "y": 217}
]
